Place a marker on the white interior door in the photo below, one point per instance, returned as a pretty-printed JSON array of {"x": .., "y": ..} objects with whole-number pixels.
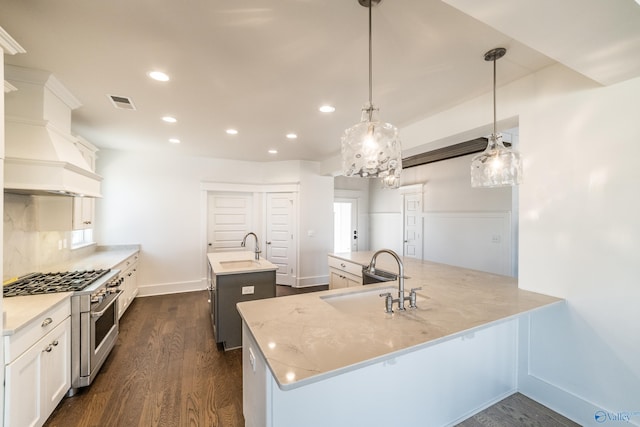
[
  {"x": 280, "y": 239},
  {"x": 230, "y": 217},
  {"x": 345, "y": 225},
  {"x": 412, "y": 227}
]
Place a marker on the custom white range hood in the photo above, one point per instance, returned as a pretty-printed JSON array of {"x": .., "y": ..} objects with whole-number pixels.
[{"x": 41, "y": 156}]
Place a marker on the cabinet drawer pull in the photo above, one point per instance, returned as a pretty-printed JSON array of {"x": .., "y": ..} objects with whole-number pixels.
[
  {"x": 343, "y": 265},
  {"x": 47, "y": 322},
  {"x": 48, "y": 349},
  {"x": 55, "y": 343}
]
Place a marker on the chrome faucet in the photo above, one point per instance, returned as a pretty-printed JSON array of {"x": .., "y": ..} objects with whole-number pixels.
[
  {"x": 244, "y": 243},
  {"x": 389, "y": 300}
]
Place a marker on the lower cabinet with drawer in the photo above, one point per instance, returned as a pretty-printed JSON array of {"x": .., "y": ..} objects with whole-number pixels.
[
  {"x": 128, "y": 272},
  {"x": 344, "y": 274},
  {"x": 37, "y": 373}
]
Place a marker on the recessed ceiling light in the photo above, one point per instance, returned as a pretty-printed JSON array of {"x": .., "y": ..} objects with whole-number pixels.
[
  {"x": 159, "y": 76},
  {"x": 232, "y": 131},
  {"x": 174, "y": 140},
  {"x": 291, "y": 136},
  {"x": 169, "y": 119},
  {"x": 273, "y": 151},
  {"x": 327, "y": 109}
]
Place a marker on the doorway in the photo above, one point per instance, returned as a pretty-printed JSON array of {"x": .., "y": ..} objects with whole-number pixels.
[
  {"x": 230, "y": 218},
  {"x": 345, "y": 225},
  {"x": 280, "y": 244},
  {"x": 412, "y": 223}
]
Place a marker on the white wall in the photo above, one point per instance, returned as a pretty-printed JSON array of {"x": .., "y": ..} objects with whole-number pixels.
[
  {"x": 156, "y": 202},
  {"x": 579, "y": 232},
  {"x": 451, "y": 207},
  {"x": 580, "y": 239}
]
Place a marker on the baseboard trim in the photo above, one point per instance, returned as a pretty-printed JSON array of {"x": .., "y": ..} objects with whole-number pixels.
[
  {"x": 482, "y": 407},
  {"x": 556, "y": 398},
  {"x": 304, "y": 282},
  {"x": 172, "y": 288}
]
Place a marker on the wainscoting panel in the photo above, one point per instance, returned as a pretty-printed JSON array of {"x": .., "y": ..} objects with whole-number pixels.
[{"x": 476, "y": 240}]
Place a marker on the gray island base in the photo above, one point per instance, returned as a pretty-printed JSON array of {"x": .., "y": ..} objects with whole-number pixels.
[{"x": 336, "y": 358}]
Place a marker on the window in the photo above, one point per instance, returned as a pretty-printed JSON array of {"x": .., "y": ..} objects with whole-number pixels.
[{"x": 81, "y": 238}]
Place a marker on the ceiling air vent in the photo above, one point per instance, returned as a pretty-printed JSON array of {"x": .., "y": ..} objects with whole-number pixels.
[{"x": 122, "y": 102}]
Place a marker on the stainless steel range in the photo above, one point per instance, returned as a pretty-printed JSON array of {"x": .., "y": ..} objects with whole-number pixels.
[{"x": 94, "y": 315}]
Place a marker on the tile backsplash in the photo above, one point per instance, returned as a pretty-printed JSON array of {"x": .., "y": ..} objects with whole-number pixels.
[{"x": 27, "y": 250}]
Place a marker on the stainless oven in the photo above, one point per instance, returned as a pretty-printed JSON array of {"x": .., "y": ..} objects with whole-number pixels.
[
  {"x": 94, "y": 330},
  {"x": 94, "y": 314}
]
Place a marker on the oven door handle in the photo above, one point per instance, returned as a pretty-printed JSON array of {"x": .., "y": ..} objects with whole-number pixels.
[{"x": 113, "y": 300}]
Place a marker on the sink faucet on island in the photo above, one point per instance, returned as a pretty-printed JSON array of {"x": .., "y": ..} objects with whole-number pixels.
[
  {"x": 389, "y": 300},
  {"x": 244, "y": 243},
  {"x": 332, "y": 345}
]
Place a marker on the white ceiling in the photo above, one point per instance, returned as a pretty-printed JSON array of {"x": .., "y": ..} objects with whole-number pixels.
[{"x": 265, "y": 66}]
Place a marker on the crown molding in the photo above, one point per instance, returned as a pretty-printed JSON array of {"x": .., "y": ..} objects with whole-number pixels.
[
  {"x": 8, "y": 43},
  {"x": 42, "y": 78}
]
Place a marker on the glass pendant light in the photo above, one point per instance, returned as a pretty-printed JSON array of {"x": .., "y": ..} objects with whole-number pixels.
[
  {"x": 497, "y": 165},
  {"x": 371, "y": 148}
]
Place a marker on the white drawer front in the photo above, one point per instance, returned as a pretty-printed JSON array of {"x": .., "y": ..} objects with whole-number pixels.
[
  {"x": 18, "y": 343},
  {"x": 346, "y": 266}
]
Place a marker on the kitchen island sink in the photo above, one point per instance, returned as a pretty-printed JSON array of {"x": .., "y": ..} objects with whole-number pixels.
[
  {"x": 240, "y": 264},
  {"x": 235, "y": 277},
  {"x": 453, "y": 355}
]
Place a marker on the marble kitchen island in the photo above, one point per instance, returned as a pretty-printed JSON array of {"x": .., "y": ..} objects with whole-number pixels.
[{"x": 336, "y": 358}]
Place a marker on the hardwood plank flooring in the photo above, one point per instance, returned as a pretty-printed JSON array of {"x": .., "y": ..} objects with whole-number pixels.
[{"x": 166, "y": 370}]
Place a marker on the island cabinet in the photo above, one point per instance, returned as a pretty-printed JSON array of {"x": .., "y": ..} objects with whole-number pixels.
[
  {"x": 37, "y": 370},
  {"x": 434, "y": 385},
  {"x": 339, "y": 358},
  {"x": 236, "y": 277},
  {"x": 344, "y": 274}
]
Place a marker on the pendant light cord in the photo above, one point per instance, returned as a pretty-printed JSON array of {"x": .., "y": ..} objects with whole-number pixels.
[
  {"x": 370, "y": 66},
  {"x": 494, "y": 96}
]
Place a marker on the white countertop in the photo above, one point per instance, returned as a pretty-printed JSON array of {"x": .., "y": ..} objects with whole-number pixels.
[
  {"x": 104, "y": 257},
  {"x": 237, "y": 262},
  {"x": 21, "y": 310},
  {"x": 306, "y": 338}
]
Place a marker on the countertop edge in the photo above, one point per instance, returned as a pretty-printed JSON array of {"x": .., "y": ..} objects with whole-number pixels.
[
  {"x": 63, "y": 297},
  {"x": 349, "y": 368}
]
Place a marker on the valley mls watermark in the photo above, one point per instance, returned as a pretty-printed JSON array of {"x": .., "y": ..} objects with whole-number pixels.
[{"x": 606, "y": 416}]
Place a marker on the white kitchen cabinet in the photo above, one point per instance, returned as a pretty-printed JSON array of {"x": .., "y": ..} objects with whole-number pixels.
[
  {"x": 83, "y": 213},
  {"x": 58, "y": 213},
  {"x": 344, "y": 274},
  {"x": 129, "y": 287},
  {"x": 37, "y": 378}
]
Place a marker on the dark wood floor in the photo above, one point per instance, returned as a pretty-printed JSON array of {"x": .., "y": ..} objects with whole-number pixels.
[{"x": 165, "y": 370}]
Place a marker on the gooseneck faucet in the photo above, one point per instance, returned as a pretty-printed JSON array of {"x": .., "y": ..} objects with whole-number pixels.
[
  {"x": 401, "y": 298},
  {"x": 244, "y": 243}
]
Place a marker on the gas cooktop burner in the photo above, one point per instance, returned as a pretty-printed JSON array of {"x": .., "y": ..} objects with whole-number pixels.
[{"x": 49, "y": 283}]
